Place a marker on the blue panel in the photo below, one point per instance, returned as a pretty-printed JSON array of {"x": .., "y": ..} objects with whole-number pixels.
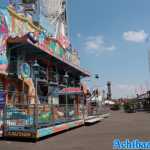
[
  {"x": 44, "y": 132},
  {"x": 4, "y": 3}
]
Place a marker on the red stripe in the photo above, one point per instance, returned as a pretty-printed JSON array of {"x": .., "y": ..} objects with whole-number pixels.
[{"x": 61, "y": 128}]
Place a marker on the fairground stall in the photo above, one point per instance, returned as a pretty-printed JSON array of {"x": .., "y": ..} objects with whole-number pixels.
[
  {"x": 95, "y": 108},
  {"x": 40, "y": 88}
]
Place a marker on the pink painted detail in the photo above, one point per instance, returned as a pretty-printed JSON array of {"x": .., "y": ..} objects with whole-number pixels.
[
  {"x": 51, "y": 52},
  {"x": 64, "y": 41},
  {"x": 3, "y": 27},
  {"x": 3, "y": 67}
]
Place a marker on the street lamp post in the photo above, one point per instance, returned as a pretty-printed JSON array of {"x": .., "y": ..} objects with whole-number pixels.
[
  {"x": 35, "y": 68},
  {"x": 96, "y": 94},
  {"x": 66, "y": 76},
  {"x": 97, "y": 76}
]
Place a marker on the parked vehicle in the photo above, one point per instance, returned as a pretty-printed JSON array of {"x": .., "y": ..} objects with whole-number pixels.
[
  {"x": 130, "y": 107},
  {"x": 115, "y": 107}
]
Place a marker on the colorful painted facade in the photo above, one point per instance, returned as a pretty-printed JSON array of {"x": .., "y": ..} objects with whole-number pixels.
[{"x": 39, "y": 77}]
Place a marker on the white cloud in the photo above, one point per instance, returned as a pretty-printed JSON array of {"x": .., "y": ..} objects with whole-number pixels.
[
  {"x": 97, "y": 45},
  {"x": 79, "y": 35},
  {"x": 129, "y": 89},
  {"x": 124, "y": 90},
  {"x": 135, "y": 36}
]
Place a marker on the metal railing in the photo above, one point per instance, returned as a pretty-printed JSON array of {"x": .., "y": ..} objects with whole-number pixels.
[
  {"x": 96, "y": 109},
  {"x": 19, "y": 116},
  {"x": 19, "y": 113},
  {"x": 32, "y": 116}
]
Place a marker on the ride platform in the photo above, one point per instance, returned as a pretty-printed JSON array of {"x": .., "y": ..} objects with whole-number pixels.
[
  {"x": 42, "y": 132},
  {"x": 92, "y": 120}
]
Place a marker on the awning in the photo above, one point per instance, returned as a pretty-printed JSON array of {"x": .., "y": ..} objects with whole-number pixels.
[{"x": 70, "y": 91}]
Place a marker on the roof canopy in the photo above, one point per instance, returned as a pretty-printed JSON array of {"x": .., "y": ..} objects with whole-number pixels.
[{"x": 24, "y": 43}]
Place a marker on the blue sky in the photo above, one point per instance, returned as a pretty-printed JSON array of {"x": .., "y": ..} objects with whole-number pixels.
[{"x": 112, "y": 37}]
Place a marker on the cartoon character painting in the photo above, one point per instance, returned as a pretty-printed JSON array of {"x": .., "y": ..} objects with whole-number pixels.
[
  {"x": 3, "y": 43},
  {"x": 3, "y": 25}
]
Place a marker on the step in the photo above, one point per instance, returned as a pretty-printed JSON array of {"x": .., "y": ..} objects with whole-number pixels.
[
  {"x": 105, "y": 115},
  {"x": 92, "y": 120},
  {"x": 1, "y": 132}
]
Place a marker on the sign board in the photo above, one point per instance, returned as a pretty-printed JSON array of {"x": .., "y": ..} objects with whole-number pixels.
[{"x": 21, "y": 134}]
